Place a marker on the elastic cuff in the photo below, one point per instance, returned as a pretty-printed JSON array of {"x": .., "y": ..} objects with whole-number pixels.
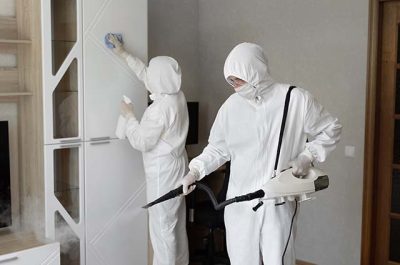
[
  {"x": 195, "y": 173},
  {"x": 124, "y": 55},
  {"x": 308, "y": 154},
  {"x": 130, "y": 116}
]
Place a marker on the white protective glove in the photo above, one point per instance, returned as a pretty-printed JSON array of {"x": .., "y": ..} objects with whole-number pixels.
[
  {"x": 119, "y": 47},
  {"x": 127, "y": 110},
  {"x": 301, "y": 165},
  {"x": 189, "y": 179}
]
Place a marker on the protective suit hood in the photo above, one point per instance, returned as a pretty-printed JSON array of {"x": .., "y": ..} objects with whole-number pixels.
[
  {"x": 163, "y": 75},
  {"x": 248, "y": 62}
]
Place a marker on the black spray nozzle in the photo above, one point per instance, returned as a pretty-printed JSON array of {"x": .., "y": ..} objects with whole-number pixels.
[{"x": 172, "y": 194}]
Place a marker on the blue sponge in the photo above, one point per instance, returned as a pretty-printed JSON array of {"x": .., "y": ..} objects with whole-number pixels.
[{"x": 108, "y": 43}]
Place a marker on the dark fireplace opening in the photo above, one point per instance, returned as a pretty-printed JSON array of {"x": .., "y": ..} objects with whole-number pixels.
[{"x": 5, "y": 177}]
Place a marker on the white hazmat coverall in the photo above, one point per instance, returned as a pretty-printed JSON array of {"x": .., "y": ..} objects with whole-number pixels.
[
  {"x": 246, "y": 131},
  {"x": 161, "y": 136}
]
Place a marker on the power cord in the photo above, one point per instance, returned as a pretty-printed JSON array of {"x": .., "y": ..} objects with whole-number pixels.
[{"x": 290, "y": 232}]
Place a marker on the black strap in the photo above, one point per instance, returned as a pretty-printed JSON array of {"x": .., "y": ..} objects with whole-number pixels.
[{"x": 285, "y": 111}]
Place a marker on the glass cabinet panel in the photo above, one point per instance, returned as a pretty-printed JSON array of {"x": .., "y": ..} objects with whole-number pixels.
[
  {"x": 69, "y": 242},
  {"x": 64, "y": 30},
  {"x": 66, "y": 179},
  {"x": 65, "y": 104}
]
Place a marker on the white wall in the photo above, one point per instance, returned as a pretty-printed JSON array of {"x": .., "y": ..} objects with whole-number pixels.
[
  {"x": 320, "y": 45},
  {"x": 7, "y": 9},
  {"x": 173, "y": 31}
]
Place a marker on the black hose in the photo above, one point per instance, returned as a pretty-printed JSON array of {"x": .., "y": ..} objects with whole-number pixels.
[
  {"x": 290, "y": 232},
  {"x": 219, "y": 206}
]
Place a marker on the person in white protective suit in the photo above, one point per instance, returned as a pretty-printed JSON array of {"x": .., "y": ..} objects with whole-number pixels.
[
  {"x": 161, "y": 136},
  {"x": 246, "y": 132}
]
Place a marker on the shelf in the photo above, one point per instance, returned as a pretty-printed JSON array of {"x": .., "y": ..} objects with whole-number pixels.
[
  {"x": 7, "y": 72},
  {"x": 4, "y": 41},
  {"x": 8, "y": 18},
  {"x": 15, "y": 94},
  {"x": 8, "y": 69}
]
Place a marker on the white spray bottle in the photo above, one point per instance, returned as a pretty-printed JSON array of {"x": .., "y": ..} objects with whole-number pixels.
[{"x": 121, "y": 125}]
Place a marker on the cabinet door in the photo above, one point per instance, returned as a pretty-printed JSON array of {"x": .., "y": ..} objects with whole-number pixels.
[
  {"x": 116, "y": 225},
  {"x": 62, "y": 70},
  {"x": 64, "y": 200},
  {"x": 48, "y": 254},
  {"x": 106, "y": 77}
]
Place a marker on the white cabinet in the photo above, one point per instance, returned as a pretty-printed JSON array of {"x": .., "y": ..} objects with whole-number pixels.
[
  {"x": 106, "y": 80},
  {"x": 116, "y": 225},
  {"x": 106, "y": 77},
  {"x": 94, "y": 184},
  {"x": 48, "y": 254}
]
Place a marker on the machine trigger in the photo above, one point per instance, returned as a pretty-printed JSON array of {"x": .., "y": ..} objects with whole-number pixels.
[{"x": 255, "y": 208}]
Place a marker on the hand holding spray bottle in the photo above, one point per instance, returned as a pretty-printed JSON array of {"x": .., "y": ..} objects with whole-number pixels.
[{"x": 121, "y": 125}]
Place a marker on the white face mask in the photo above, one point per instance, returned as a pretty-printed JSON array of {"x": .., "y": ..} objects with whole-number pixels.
[{"x": 247, "y": 91}]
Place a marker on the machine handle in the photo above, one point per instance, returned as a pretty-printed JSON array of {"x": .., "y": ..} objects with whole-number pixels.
[
  {"x": 70, "y": 141},
  {"x": 100, "y": 138},
  {"x": 255, "y": 208},
  {"x": 100, "y": 142},
  {"x": 70, "y": 145}
]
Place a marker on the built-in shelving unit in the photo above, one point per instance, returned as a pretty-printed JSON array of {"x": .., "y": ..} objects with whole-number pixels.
[{"x": 21, "y": 99}]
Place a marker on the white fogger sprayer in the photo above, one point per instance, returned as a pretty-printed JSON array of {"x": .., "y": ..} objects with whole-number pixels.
[{"x": 288, "y": 187}]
